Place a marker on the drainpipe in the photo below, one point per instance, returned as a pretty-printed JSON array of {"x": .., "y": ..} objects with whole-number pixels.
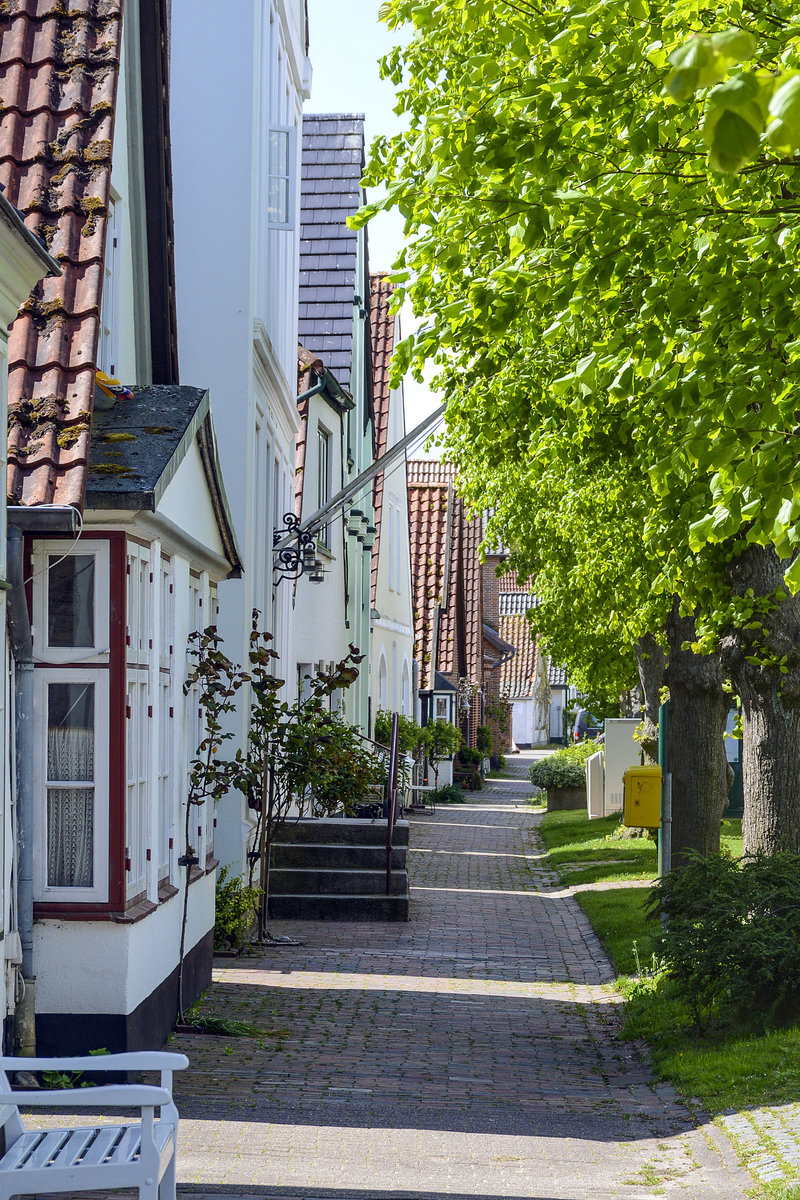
[{"x": 19, "y": 628}]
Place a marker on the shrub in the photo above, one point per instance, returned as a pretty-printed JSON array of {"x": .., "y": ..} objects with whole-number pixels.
[
  {"x": 235, "y": 912},
  {"x": 564, "y": 769},
  {"x": 470, "y": 757},
  {"x": 484, "y": 741},
  {"x": 732, "y": 935},
  {"x": 448, "y": 793},
  {"x": 411, "y": 735}
]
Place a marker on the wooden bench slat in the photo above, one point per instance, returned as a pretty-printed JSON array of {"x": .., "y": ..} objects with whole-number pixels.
[
  {"x": 130, "y": 1144},
  {"x": 104, "y": 1145},
  {"x": 20, "y": 1150},
  {"x": 50, "y": 1144},
  {"x": 73, "y": 1148}
]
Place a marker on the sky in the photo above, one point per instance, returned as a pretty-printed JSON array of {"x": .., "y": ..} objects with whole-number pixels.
[{"x": 345, "y": 42}]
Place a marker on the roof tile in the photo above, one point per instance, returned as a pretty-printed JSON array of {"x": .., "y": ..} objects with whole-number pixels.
[{"x": 58, "y": 79}]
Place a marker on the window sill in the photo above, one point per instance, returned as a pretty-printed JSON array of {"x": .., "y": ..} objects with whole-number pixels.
[{"x": 136, "y": 912}]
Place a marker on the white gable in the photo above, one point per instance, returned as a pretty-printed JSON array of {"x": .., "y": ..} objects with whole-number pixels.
[{"x": 187, "y": 504}]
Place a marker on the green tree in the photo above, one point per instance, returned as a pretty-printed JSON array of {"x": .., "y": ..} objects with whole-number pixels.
[{"x": 574, "y": 262}]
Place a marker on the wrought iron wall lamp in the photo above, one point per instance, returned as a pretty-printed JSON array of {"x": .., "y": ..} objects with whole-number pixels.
[{"x": 294, "y": 551}]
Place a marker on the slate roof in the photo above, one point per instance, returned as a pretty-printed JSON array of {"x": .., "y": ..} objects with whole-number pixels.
[
  {"x": 518, "y": 676},
  {"x": 557, "y": 676},
  {"x": 138, "y": 444},
  {"x": 331, "y": 166},
  {"x": 518, "y": 603},
  {"x": 445, "y": 576},
  {"x": 59, "y": 66},
  {"x": 382, "y": 327}
]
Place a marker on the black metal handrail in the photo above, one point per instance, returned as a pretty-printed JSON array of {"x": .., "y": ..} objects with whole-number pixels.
[{"x": 391, "y": 815}]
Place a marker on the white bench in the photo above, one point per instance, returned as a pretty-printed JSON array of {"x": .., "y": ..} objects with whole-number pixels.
[{"x": 93, "y": 1157}]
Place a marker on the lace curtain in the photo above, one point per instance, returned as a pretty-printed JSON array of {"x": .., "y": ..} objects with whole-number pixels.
[{"x": 70, "y": 810}]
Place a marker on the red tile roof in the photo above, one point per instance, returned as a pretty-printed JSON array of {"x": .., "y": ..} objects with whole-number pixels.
[
  {"x": 445, "y": 576},
  {"x": 309, "y": 367},
  {"x": 382, "y": 324},
  {"x": 59, "y": 66}
]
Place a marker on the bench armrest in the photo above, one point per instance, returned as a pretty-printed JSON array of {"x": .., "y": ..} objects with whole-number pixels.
[
  {"x": 133, "y": 1095},
  {"x": 137, "y": 1060}
]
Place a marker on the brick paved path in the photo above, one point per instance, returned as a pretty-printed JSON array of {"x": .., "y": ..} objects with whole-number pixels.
[{"x": 470, "y": 1053}]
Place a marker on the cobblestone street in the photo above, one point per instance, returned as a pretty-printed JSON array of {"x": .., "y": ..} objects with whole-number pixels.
[{"x": 469, "y": 1053}]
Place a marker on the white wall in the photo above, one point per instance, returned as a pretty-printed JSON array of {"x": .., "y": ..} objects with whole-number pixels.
[
  {"x": 237, "y": 285},
  {"x": 392, "y": 632},
  {"x": 21, "y": 267},
  {"x": 103, "y": 967}
]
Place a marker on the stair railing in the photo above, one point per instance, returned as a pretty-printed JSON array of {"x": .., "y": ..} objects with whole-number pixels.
[{"x": 391, "y": 815}]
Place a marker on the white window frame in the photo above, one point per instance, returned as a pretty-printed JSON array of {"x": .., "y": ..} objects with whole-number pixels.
[
  {"x": 42, "y": 652},
  {"x": 324, "y": 477},
  {"x": 98, "y": 894},
  {"x": 290, "y": 131}
]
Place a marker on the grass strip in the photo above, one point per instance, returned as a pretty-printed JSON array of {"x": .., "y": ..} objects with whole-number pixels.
[{"x": 724, "y": 1069}]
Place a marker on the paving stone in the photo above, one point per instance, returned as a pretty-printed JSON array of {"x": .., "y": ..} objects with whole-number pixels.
[{"x": 472, "y": 1053}]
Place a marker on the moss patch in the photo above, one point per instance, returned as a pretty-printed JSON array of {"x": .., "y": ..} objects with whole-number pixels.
[
  {"x": 118, "y": 437},
  {"x": 158, "y": 429},
  {"x": 113, "y": 469}
]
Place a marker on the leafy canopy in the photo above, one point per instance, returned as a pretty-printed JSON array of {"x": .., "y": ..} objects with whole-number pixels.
[{"x": 583, "y": 278}]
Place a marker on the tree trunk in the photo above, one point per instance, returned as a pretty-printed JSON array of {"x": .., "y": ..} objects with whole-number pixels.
[
  {"x": 770, "y": 703},
  {"x": 698, "y": 713},
  {"x": 651, "y": 662}
]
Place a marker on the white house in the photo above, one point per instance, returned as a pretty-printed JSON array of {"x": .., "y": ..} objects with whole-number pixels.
[
  {"x": 392, "y": 622},
  {"x": 336, "y": 442},
  {"x": 23, "y": 262},
  {"x": 238, "y": 78},
  {"x": 105, "y": 733}
]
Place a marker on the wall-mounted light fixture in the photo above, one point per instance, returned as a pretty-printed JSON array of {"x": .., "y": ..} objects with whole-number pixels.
[{"x": 298, "y": 554}]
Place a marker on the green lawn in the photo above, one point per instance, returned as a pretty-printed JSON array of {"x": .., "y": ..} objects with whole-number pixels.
[{"x": 722, "y": 1068}]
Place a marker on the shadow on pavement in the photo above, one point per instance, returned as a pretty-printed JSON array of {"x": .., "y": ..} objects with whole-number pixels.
[
  {"x": 222, "y": 1192},
  {"x": 598, "y": 1123}
]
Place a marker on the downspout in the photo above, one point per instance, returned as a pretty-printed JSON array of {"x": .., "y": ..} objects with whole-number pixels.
[{"x": 20, "y": 636}]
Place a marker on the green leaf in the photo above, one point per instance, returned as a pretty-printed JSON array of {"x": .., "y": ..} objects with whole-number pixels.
[
  {"x": 784, "y": 132},
  {"x": 732, "y": 137}
]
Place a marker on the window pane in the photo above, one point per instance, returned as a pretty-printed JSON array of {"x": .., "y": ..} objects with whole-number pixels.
[
  {"x": 70, "y": 612},
  {"x": 70, "y": 837},
  {"x": 279, "y": 152},
  {"x": 70, "y": 732},
  {"x": 278, "y": 200}
]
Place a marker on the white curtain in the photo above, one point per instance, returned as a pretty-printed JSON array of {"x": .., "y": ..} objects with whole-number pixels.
[{"x": 70, "y": 810}]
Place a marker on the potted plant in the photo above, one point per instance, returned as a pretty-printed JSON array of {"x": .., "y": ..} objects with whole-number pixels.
[{"x": 563, "y": 776}]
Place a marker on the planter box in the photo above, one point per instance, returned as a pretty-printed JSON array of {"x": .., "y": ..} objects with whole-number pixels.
[{"x": 559, "y": 799}]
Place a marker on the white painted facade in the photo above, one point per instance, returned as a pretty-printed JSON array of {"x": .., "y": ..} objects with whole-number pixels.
[
  {"x": 22, "y": 265},
  {"x": 330, "y": 616},
  {"x": 167, "y": 565},
  {"x": 236, "y": 132},
  {"x": 392, "y": 630}
]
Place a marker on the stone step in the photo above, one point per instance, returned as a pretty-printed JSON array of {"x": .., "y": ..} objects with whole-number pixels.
[
  {"x": 335, "y": 857},
  {"x": 342, "y": 831},
  {"x": 335, "y": 883},
  {"x": 338, "y": 908}
]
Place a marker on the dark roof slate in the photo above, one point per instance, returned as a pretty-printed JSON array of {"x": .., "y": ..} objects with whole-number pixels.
[
  {"x": 136, "y": 441},
  {"x": 331, "y": 167}
]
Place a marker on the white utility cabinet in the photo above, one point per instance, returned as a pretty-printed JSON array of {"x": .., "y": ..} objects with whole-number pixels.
[{"x": 621, "y": 753}]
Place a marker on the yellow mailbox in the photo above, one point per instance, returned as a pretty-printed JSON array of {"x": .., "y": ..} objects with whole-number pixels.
[{"x": 642, "y": 797}]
